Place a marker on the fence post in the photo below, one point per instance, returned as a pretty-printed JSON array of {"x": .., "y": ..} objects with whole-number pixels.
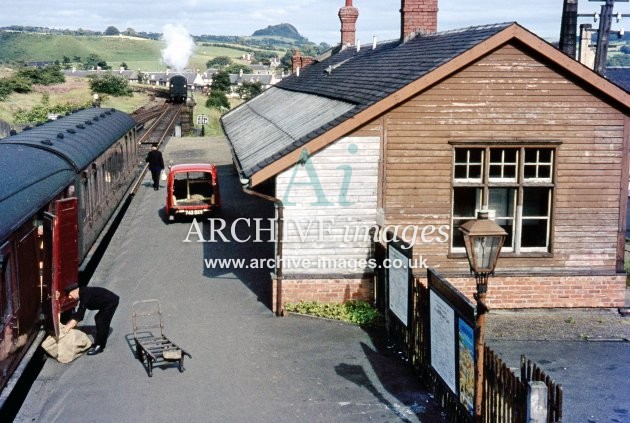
[{"x": 536, "y": 402}]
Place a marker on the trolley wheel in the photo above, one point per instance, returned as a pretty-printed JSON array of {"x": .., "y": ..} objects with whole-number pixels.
[{"x": 139, "y": 354}]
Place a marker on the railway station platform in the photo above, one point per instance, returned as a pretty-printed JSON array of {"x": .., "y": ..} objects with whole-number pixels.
[{"x": 247, "y": 365}]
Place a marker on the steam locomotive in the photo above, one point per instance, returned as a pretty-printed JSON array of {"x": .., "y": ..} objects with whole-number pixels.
[{"x": 178, "y": 89}]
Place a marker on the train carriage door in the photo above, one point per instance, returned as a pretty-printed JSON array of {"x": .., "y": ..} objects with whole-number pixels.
[{"x": 65, "y": 256}]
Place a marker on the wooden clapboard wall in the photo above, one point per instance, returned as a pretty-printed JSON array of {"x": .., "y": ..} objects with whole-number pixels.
[
  {"x": 323, "y": 208},
  {"x": 510, "y": 96}
]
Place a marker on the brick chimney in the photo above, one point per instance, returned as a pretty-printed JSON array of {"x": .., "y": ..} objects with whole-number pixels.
[
  {"x": 417, "y": 16},
  {"x": 348, "y": 16},
  {"x": 300, "y": 62}
]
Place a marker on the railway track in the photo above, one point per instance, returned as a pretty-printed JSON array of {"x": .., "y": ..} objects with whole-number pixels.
[{"x": 154, "y": 125}]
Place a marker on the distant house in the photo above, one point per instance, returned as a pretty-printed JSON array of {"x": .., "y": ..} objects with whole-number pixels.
[
  {"x": 130, "y": 75},
  {"x": 162, "y": 78},
  {"x": 414, "y": 135},
  {"x": 238, "y": 79},
  {"x": 261, "y": 69}
]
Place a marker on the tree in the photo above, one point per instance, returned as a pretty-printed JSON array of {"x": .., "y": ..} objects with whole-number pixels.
[
  {"x": 249, "y": 90},
  {"x": 219, "y": 62},
  {"x": 40, "y": 112},
  {"x": 619, "y": 60},
  {"x": 236, "y": 68},
  {"x": 94, "y": 61},
  {"x": 112, "y": 30},
  {"x": 109, "y": 83},
  {"x": 217, "y": 100},
  {"x": 5, "y": 88},
  {"x": 124, "y": 66},
  {"x": 48, "y": 75},
  {"x": 287, "y": 60},
  {"x": 221, "y": 81},
  {"x": 20, "y": 84}
]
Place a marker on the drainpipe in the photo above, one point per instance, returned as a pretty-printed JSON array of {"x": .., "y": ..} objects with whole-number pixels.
[{"x": 278, "y": 304}]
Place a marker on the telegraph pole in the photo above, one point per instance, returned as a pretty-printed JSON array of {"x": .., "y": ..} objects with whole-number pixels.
[
  {"x": 603, "y": 33},
  {"x": 603, "y": 36}
]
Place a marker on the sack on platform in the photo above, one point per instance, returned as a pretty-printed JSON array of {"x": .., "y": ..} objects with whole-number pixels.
[{"x": 68, "y": 347}]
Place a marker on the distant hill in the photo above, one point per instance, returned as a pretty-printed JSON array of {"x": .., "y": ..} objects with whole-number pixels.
[
  {"x": 19, "y": 44},
  {"x": 282, "y": 30}
]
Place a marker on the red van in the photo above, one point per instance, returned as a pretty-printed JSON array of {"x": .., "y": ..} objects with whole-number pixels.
[{"x": 192, "y": 190}]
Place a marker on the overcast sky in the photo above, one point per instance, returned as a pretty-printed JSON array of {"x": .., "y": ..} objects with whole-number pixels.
[{"x": 315, "y": 19}]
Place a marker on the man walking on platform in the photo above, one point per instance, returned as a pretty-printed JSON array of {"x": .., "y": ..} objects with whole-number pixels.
[
  {"x": 156, "y": 165},
  {"x": 93, "y": 298}
]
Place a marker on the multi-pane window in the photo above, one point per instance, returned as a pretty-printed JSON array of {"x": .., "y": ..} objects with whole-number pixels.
[{"x": 515, "y": 184}]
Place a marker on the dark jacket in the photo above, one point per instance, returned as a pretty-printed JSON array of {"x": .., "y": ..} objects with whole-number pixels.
[
  {"x": 155, "y": 160},
  {"x": 94, "y": 298}
]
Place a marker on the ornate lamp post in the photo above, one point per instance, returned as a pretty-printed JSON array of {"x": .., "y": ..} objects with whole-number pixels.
[{"x": 483, "y": 239}]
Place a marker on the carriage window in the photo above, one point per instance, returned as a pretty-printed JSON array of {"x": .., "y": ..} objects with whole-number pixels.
[
  {"x": 6, "y": 285},
  {"x": 86, "y": 198}
]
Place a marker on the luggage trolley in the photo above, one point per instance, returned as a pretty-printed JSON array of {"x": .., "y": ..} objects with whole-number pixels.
[{"x": 156, "y": 349}]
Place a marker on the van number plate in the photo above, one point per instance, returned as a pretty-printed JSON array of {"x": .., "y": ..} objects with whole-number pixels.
[{"x": 193, "y": 212}]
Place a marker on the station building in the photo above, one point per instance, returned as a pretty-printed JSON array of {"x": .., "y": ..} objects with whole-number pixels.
[{"x": 415, "y": 135}]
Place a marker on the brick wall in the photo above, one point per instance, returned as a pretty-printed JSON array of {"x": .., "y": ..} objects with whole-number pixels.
[
  {"x": 512, "y": 292},
  {"x": 325, "y": 290},
  {"x": 548, "y": 291},
  {"x": 418, "y": 15}
]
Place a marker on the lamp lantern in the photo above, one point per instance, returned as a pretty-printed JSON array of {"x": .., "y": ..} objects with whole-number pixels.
[{"x": 483, "y": 240}]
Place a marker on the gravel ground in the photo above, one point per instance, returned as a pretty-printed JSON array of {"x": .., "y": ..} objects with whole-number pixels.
[{"x": 558, "y": 325}]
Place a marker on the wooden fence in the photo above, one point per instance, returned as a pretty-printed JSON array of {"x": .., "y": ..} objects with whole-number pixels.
[
  {"x": 531, "y": 372},
  {"x": 505, "y": 394}
]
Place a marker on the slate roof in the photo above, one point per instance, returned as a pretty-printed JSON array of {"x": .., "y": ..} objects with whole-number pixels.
[
  {"x": 273, "y": 124},
  {"x": 164, "y": 76},
  {"x": 37, "y": 164},
  {"x": 344, "y": 83},
  {"x": 620, "y": 76},
  {"x": 235, "y": 78}
]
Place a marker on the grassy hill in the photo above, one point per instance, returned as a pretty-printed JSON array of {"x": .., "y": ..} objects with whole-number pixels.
[{"x": 137, "y": 53}]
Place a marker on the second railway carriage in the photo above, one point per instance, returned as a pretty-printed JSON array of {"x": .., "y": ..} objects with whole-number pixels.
[{"x": 61, "y": 183}]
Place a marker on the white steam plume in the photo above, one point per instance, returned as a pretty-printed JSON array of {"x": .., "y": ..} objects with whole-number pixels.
[{"x": 179, "y": 46}]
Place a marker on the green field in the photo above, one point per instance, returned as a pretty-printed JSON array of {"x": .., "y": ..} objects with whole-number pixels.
[
  {"x": 137, "y": 53},
  {"x": 76, "y": 91}
]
